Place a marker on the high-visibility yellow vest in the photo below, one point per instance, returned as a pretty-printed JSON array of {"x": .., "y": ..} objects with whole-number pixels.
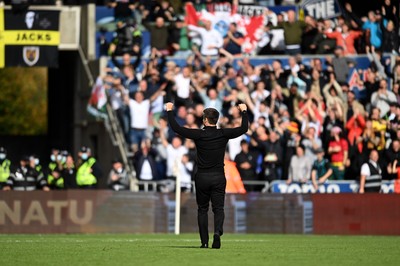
[
  {"x": 51, "y": 180},
  {"x": 84, "y": 176},
  {"x": 5, "y": 170}
]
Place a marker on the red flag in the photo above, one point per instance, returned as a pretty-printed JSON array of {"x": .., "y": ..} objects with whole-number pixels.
[{"x": 191, "y": 15}]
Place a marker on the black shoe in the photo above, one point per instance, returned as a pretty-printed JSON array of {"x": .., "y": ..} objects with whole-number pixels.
[
  {"x": 217, "y": 241},
  {"x": 204, "y": 246}
]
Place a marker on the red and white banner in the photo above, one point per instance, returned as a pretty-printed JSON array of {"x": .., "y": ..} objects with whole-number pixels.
[{"x": 222, "y": 14}]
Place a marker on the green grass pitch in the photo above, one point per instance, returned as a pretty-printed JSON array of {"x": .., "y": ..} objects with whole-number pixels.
[{"x": 169, "y": 249}]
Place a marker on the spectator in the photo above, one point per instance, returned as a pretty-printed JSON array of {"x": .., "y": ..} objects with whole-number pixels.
[
  {"x": 338, "y": 151},
  {"x": 54, "y": 178},
  {"x": 293, "y": 30},
  {"x": 233, "y": 40},
  {"x": 376, "y": 64},
  {"x": 175, "y": 151},
  {"x": 290, "y": 140},
  {"x": 371, "y": 174},
  {"x": 321, "y": 169},
  {"x": 179, "y": 39},
  {"x": 392, "y": 159},
  {"x": 165, "y": 11},
  {"x": 355, "y": 127},
  {"x": 341, "y": 64},
  {"x": 139, "y": 110},
  {"x": 122, "y": 8},
  {"x": 345, "y": 37},
  {"x": 118, "y": 178},
  {"x": 312, "y": 143},
  {"x": 69, "y": 173},
  {"x": 300, "y": 167},
  {"x": 26, "y": 178},
  {"x": 234, "y": 183},
  {"x": 88, "y": 174},
  {"x": 211, "y": 39},
  {"x": 246, "y": 162},
  {"x": 390, "y": 38},
  {"x": 159, "y": 34},
  {"x": 127, "y": 39},
  {"x": 184, "y": 168},
  {"x": 182, "y": 87},
  {"x": 382, "y": 98},
  {"x": 5, "y": 168},
  {"x": 272, "y": 160}
]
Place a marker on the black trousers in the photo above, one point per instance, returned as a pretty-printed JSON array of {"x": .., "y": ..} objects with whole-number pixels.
[{"x": 210, "y": 186}]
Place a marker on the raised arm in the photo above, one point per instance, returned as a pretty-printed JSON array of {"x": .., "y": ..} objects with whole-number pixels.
[
  {"x": 183, "y": 131},
  {"x": 238, "y": 131}
]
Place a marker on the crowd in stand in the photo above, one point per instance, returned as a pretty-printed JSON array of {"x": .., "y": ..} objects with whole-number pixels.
[{"x": 306, "y": 123}]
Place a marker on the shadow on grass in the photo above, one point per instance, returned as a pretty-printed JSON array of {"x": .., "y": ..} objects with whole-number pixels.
[{"x": 190, "y": 247}]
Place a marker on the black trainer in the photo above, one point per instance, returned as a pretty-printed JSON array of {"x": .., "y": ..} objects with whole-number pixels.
[
  {"x": 204, "y": 246},
  {"x": 217, "y": 241}
]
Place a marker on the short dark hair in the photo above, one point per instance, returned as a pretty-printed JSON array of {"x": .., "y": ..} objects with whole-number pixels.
[{"x": 212, "y": 115}]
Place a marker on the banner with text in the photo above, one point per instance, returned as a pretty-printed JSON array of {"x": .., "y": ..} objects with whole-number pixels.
[
  {"x": 29, "y": 38},
  {"x": 279, "y": 186},
  {"x": 324, "y": 9}
]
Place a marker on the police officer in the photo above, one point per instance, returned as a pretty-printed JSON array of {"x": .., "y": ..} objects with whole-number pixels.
[
  {"x": 54, "y": 178},
  {"x": 5, "y": 167},
  {"x": 88, "y": 172},
  {"x": 26, "y": 177}
]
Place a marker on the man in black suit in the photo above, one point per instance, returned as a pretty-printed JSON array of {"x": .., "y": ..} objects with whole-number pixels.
[{"x": 210, "y": 177}]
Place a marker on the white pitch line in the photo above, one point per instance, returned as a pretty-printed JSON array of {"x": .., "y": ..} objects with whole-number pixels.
[{"x": 66, "y": 240}]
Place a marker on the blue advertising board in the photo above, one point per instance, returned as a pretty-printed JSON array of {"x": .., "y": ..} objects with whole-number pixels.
[{"x": 279, "y": 186}]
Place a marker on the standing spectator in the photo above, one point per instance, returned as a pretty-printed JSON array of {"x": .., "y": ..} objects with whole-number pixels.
[
  {"x": 393, "y": 159},
  {"x": 179, "y": 39},
  {"x": 69, "y": 173},
  {"x": 211, "y": 39},
  {"x": 159, "y": 34},
  {"x": 312, "y": 143},
  {"x": 145, "y": 164},
  {"x": 165, "y": 10},
  {"x": 118, "y": 178},
  {"x": 341, "y": 64},
  {"x": 88, "y": 173},
  {"x": 382, "y": 98},
  {"x": 290, "y": 140},
  {"x": 175, "y": 151},
  {"x": 369, "y": 24},
  {"x": 184, "y": 168},
  {"x": 338, "y": 151},
  {"x": 355, "y": 127},
  {"x": 234, "y": 183},
  {"x": 321, "y": 169},
  {"x": 390, "y": 37},
  {"x": 122, "y": 8},
  {"x": 345, "y": 38},
  {"x": 127, "y": 39},
  {"x": 5, "y": 167},
  {"x": 54, "y": 178},
  {"x": 300, "y": 167},
  {"x": 293, "y": 31},
  {"x": 139, "y": 110},
  {"x": 272, "y": 165},
  {"x": 246, "y": 162},
  {"x": 371, "y": 174},
  {"x": 233, "y": 40},
  {"x": 26, "y": 178},
  {"x": 182, "y": 87}
]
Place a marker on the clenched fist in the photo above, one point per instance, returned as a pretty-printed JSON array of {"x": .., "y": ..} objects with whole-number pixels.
[{"x": 242, "y": 107}]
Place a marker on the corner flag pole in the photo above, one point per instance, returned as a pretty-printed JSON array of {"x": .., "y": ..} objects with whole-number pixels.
[{"x": 177, "y": 203}]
